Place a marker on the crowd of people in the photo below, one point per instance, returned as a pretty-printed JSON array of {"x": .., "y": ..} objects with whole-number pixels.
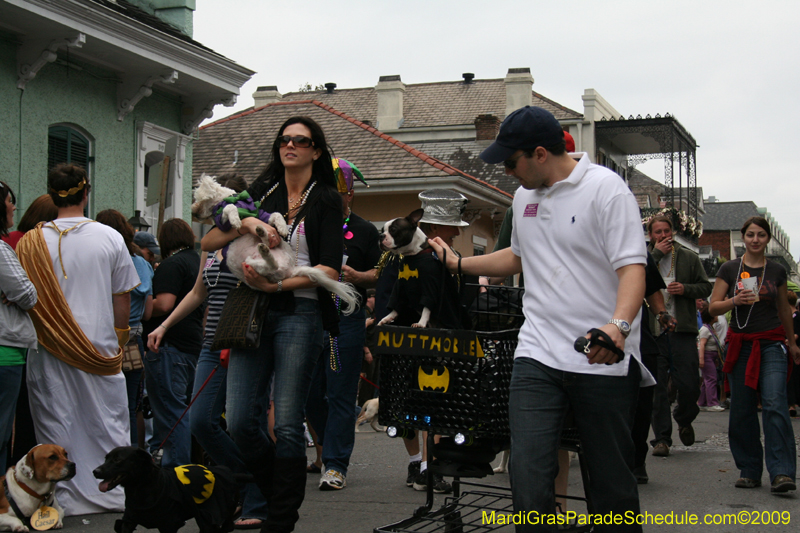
[{"x": 96, "y": 316}]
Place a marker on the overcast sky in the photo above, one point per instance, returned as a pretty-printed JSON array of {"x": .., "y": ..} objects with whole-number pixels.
[{"x": 729, "y": 71}]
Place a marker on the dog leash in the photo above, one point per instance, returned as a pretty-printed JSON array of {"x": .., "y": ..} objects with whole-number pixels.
[
  {"x": 223, "y": 360},
  {"x": 371, "y": 383}
]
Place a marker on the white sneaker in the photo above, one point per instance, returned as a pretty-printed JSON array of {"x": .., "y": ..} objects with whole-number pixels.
[
  {"x": 332, "y": 480},
  {"x": 715, "y": 408}
]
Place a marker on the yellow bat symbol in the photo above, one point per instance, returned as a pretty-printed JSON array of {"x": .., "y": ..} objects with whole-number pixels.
[
  {"x": 407, "y": 273},
  {"x": 437, "y": 380},
  {"x": 199, "y": 479}
]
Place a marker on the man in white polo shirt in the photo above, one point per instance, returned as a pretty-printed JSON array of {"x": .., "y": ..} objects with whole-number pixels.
[{"x": 577, "y": 238}]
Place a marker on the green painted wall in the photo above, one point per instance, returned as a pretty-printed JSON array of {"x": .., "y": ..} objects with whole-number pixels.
[{"x": 86, "y": 98}]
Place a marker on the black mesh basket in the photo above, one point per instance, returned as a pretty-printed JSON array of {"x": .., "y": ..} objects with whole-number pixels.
[
  {"x": 499, "y": 308},
  {"x": 436, "y": 387}
]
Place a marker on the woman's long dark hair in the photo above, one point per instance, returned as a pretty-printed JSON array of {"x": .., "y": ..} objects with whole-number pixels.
[
  {"x": 5, "y": 191},
  {"x": 321, "y": 171}
]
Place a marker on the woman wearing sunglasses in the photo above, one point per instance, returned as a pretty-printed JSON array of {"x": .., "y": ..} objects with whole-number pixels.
[{"x": 300, "y": 184}]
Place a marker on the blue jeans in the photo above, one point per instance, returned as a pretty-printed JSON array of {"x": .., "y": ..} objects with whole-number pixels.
[
  {"x": 133, "y": 380},
  {"x": 10, "y": 382},
  {"x": 743, "y": 430},
  {"x": 205, "y": 416},
  {"x": 334, "y": 420},
  {"x": 170, "y": 375},
  {"x": 602, "y": 406},
  {"x": 290, "y": 345}
]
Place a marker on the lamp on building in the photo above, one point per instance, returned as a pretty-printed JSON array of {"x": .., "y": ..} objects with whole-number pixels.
[{"x": 138, "y": 221}]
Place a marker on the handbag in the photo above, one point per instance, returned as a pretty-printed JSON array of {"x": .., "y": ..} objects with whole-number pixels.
[
  {"x": 241, "y": 319},
  {"x": 131, "y": 356}
]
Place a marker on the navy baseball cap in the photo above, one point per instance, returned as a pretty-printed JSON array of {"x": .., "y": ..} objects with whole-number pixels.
[
  {"x": 146, "y": 240},
  {"x": 524, "y": 129}
]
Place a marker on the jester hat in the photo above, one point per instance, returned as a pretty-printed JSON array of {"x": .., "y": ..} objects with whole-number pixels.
[{"x": 344, "y": 171}]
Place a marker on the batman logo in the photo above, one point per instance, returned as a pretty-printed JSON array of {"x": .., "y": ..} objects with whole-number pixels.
[
  {"x": 433, "y": 378},
  {"x": 407, "y": 273},
  {"x": 198, "y": 479}
]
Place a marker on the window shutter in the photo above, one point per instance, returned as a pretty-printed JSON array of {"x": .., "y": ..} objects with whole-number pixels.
[{"x": 65, "y": 145}]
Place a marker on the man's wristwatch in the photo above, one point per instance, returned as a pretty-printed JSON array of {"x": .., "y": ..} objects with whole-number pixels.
[{"x": 623, "y": 326}]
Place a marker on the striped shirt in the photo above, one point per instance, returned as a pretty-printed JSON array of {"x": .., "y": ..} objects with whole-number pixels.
[{"x": 218, "y": 284}]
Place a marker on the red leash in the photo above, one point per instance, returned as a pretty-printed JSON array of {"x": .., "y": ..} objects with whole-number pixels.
[
  {"x": 223, "y": 360},
  {"x": 371, "y": 383}
]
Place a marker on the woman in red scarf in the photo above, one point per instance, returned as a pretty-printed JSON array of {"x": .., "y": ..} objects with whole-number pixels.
[{"x": 754, "y": 288}]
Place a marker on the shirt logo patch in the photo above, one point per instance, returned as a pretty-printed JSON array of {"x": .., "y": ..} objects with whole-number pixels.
[{"x": 531, "y": 210}]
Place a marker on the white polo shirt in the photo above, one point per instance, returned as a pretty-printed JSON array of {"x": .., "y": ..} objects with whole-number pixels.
[{"x": 572, "y": 237}]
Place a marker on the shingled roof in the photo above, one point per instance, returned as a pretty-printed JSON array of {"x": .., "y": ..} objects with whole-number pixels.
[
  {"x": 728, "y": 216},
  {"x": 379, "y": 156},
  {"x": 129, "y": 10},
  {"x": 433, "y": 104}
]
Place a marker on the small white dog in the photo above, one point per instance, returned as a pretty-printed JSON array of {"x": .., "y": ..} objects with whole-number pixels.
[
  {"x": 369, "y": 413},
  {"x": 276, "y": 263},
  {"x": 36, "y": 473}
]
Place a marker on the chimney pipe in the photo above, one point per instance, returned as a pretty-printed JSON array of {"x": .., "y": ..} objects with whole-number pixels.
[
  {"x": 468, "y": 77},
  {"x": 329, "y": 87}
]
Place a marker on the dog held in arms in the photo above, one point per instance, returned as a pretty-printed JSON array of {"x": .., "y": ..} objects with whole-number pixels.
[
  {"x": 165, "y": 498},
  {"x": 277, "y": 263},
  {"x": 31, "y": 484},
  {"x": 424, "y": 293}
]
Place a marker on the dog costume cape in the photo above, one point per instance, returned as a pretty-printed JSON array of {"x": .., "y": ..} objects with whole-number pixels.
[
  {"x": 423, "y": 282},
  {"x": 185, "y": 492}
]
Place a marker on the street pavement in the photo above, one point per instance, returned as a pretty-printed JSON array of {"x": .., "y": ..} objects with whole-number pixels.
[{"x": 697, "y": 479}]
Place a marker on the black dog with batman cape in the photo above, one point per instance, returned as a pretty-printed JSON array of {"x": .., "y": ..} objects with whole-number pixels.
[{"x": 165, "y": 498}]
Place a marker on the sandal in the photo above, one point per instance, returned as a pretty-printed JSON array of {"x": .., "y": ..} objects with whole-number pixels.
[
  {"x": 313, "y": 469},
  {"x": 248, "y": 523}
]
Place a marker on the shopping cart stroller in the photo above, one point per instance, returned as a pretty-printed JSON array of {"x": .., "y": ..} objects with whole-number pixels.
[{"x": 454, "y": 383}]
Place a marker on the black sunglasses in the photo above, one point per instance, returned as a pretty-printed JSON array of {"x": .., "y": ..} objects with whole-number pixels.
[
  {"x": 300, "y": 141},
  {"x": 511, "y": 163}
]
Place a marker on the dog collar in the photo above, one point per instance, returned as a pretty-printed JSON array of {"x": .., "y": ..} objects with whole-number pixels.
[
  {"x": 30, "y": 491},
  {"x": 26, "y": 520}
]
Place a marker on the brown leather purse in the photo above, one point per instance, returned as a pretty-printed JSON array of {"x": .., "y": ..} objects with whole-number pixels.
[{"x": 241, "y": 319}]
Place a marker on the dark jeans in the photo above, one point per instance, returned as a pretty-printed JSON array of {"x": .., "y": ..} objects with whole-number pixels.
[
  {"x": 332, "y": 399},
  {"x": 602, "y": 406},
  {"x": 679, "y": 349},
  {"x": 170, "y": 376},
  {"x": 10, "y": 380},
  {"x": 205, "y": 419},
  {"x": 290, "y": 345},
  {"x": 644, "y": 412},
  {"x": 743, "y": 430},
  {"x": 133, "y": 380}
]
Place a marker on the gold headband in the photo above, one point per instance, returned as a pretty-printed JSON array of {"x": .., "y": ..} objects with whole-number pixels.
[{"x": 64, "y": 194}]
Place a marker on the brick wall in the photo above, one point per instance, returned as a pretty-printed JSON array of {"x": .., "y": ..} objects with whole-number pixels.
[
  {"x": 718, "y": 240},
  {"x": 486, "y": 127}
]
